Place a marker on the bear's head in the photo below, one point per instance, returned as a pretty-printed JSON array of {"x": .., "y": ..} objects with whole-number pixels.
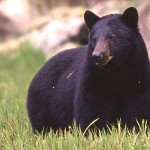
[{"x": 115, "y": 40}]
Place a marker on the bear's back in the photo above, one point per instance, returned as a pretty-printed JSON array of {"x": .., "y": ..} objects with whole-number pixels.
[{"x": 62, "y": 63}]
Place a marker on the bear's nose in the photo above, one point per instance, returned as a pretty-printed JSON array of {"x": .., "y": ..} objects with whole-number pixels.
[{"x": 97, "y": 57}]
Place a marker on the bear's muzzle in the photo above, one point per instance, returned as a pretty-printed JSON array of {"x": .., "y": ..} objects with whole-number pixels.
[
  {"x": 101, "y": 59},
  {"x": 101, "y": 55}
]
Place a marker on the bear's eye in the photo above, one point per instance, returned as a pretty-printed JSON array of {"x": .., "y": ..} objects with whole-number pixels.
[
  {"x": 94, "y": 40},
  {"x": 112, "y": 36}
]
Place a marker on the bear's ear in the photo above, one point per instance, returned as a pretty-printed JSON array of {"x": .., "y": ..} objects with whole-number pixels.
[
  {"x": 90, "y": 18},
  {"x": 130, "y": 17}
]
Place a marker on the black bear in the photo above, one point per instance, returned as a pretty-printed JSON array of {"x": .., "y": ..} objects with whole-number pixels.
[{"x": 106, "y": 79}]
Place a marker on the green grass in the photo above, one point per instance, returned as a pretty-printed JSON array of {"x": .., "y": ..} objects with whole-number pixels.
[{"x": 16, "y": 72}]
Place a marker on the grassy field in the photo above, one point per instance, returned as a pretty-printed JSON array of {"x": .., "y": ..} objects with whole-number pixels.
[{"x": 16, "y": 72}]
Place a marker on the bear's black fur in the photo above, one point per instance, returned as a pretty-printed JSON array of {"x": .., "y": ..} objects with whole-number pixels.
[{"x": 106, "y": 79}]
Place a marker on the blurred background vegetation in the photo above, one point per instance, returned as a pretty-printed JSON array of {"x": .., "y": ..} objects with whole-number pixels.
[{"x": 52, "y": 25}]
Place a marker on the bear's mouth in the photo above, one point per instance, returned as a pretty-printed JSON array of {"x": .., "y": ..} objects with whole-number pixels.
[{"x": 104, "y": 61}]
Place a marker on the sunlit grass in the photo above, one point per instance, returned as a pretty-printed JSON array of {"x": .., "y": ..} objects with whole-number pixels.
[{"x": 16, "y": 72}]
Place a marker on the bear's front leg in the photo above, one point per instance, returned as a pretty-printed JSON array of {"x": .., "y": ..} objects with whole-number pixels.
[{"x": 88, "y": 110}]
